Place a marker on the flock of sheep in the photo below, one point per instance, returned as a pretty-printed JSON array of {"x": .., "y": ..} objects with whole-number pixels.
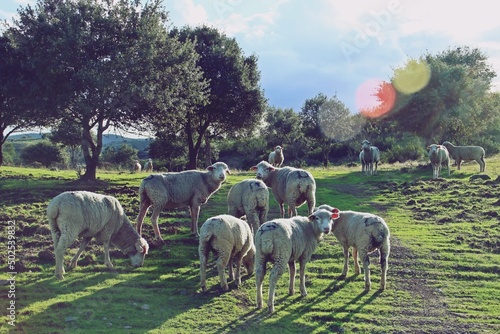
[{"x": 244, "y": 236}]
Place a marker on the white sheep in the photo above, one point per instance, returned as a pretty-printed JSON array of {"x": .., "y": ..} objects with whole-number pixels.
[
  {"x": 231, "y": 241},
  {"x": 283, "y": 242},
  {"x": 289, "y": 185},
  {"x": 148, "y": 166},
  {"x": 137, "y": 166},
  {"x": 438, "y": 154},
  {"x": 371, "y": 156},
  {"x": 365, "y": 233},
  {"x": 74, "y": 214},
  {"x": 190, "y": 188},
  {"x": 276, "y": 157},
  {"x": 249, "y": 198},
  {"x": 466, "y": 153},
  {"x": 362, "y": 161}
]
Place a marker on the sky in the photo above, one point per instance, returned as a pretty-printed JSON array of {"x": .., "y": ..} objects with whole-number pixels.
[{"x": 336, "y": 47}]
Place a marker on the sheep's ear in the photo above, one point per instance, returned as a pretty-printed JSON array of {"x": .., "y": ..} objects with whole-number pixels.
[
  {"x": 312, "y": 217},
  {"x": 210, "y": 168},
  {"x": 271, "y": 169},
  {"x": 142, "y": 246},
  {"x": 228, "y": 171},
  {"x": 335, "y": 213},
  {"x": 254, "y": 168}
]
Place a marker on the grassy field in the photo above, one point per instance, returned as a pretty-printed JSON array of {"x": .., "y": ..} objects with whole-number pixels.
[{"x": 443, "y": 277}]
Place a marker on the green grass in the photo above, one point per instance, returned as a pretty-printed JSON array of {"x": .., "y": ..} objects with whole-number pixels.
[{"x": 443, "y": 268}]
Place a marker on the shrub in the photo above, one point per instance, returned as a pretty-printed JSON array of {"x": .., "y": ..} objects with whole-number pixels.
[{"x": 43, "y": 153}]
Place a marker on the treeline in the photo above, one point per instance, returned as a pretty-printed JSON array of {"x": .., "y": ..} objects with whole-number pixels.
[{"x": 82, "y": 67}]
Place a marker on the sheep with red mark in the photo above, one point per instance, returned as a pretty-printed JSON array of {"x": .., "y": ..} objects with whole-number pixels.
[{"x": 365, "y": 233}]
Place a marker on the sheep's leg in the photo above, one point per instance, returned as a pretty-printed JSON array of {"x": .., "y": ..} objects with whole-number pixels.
[
  {"x": 230, "y": 268},
  {"x": 107, "y": 260},
  {"x": 83, "y": 244},
  {"x": 292, "y": 210},
  {"x": 292, "y": 270},
  {"x": 238, "y": 260},
  {"x": 253, "y": 221},
  {"x": 311, "y": 203},
  {"x": 222, "y": 262},
  {"x": 275, "y": 275},
  {"x": 384, "y": 254},
  {"x": 63, "y": 243},
  {"x": 356, "y": 263},
  {"x": 459, "y": 162},
  {"x": 366, "y": 267},
  {"x": 346, "y": 263},
  {"x": 376, "y": 167},
  {"x": 302, "y": 275},
  {"x": 143, "y": 210},
  {"x": 260, "y": 272},
  {"x": 282, "y": 210},
  {"x": 195, "y": 212},
  {"x": 482, "y": 165},
  {"x": 154, "y": 221},
  {"x": 203, "y": 269}
]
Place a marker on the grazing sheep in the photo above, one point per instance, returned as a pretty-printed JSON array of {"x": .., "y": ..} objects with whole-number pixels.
[
  {"x": 365, "y": 233},
  {"x": 230, "y": 240},
  {"x": 276, "y": 157},
  {"x": 438, "y": 154},
  {"x": 148, "y": 166},
  {"x": 289, "y": 185},
  {"x": 74, "y": 214},
  {"x": 371, "y": 156},
  {"x": 137, "y": 166},
  {"x": 362, "y": 161},
  {"x": 466, "y": 153},
  {"x": 190, "y": 188},
  {"x": 285, "y": 241},
  {"x": 249, "y": 198}
]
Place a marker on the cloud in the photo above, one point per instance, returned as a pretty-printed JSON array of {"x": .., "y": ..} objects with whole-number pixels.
[{"x": 191, "y": 14}]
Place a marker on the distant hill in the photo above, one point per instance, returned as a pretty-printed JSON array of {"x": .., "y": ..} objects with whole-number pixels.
[{"x": 112, "y": 140}]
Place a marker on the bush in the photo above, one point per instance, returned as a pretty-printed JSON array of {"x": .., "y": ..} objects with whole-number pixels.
[
  {"x": 43, "y": 153},
  {"x": 407, "y": 147}
]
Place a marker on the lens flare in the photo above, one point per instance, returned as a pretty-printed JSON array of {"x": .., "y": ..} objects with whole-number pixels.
[
  {"x": 375, "y": 98},
  {"x": 412, "y": 77}
]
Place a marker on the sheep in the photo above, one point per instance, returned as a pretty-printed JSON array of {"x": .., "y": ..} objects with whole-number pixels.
[
  {"x": 362, "y": 161},
  {"x": 249, "y": 198},
  {"x": 438, "y": 154},
  {"x": 289, "y": 185},
  {"x": 371, "y": 156},
  {"x": 285, "y": 241},
  {"x": 148, "y": 166},
  {"x": 365, "y": 233},
  {"x": 137, "y": 166},
  {"x": 276, "y": 157},
  {"x": 230, "y": 240},
  {"x": 85, "y": 214},
  {"x": 190, "y": 188},
  {"x": 466, "y": 153}
]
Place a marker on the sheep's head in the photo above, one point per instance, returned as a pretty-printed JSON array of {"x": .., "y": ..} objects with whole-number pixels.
[
  {"x": 323, "y": 219},
  {"x": 219, "y": 170},
  {"x": 365, "y": 144},
  {"x": 278, "y": 149},
  {"x": 142, "y": 247},
  {"x": 263, "y": 170}
]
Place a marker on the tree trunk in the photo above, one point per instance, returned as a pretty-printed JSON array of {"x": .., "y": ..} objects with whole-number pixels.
[{"x": 91, "y": 152}]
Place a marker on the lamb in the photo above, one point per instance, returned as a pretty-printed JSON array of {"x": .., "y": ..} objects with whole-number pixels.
[
  {"x": 438, "y": 154},
  {"x": 276, "y": 157},
  {"x": 249, "y": 198},
  {"x": 137, "y": 166},
  {"x": 289, "y": 185},
  {"x": 190, "y": 188},
  {"x": 365, "y": 233},
  {"x": 230, "y": 240},
  {"x": 466, "y": 153},
  {"x": 85, "y": 214},
  {"x": 148, "y": 166},
  {"x": 285, "y": 241},
  {"x": 371, "y": 156}
]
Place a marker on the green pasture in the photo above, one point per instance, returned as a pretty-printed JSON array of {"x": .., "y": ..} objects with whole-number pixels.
[{"x": 444, "y": 266}]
